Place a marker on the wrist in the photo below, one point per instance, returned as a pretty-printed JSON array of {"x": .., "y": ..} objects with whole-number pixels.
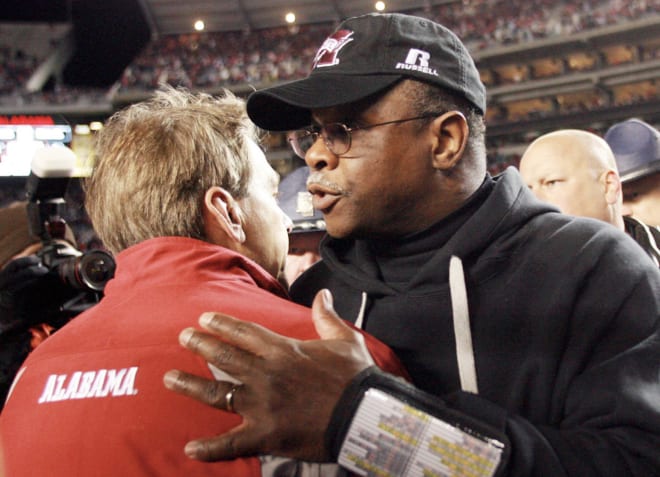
[{"x": 383, "y": 424}]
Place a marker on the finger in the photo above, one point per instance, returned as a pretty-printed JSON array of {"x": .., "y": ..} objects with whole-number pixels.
[
  {"x": 22, "y": 262},
  {"x": 235, "y": 442},
  {"x": 31, "y": 273},
  {"x": 222, "y": 355},
  {"x": 211, "y": 392},
  {"x": 243, "y": 335},
  {"x": 10, "y": 272},
  {"x": 327, "y": 322}
]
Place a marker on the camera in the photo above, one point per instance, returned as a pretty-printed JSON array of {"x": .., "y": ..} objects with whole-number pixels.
[
  {"x": 83, "y": 274},
  {"x": 88, "y": 271}
]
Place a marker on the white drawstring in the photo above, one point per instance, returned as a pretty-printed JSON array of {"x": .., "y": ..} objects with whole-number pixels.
[
  {"x": 359, "y": 321},
  {"x": 463, "y": 335},
  {"x": 655, "y": 254},
  {"x": 461, "y": 317}
]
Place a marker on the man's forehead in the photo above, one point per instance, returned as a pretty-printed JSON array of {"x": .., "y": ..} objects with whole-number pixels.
[
  {"x": 541, "y": 163},
  {"x": 260, "y": 164}
]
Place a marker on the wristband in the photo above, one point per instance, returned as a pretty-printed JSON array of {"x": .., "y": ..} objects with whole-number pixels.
[{"x": 383, "y": 426}]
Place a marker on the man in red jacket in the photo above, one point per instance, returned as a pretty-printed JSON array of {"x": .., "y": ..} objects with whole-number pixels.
[{"x": 184, "y": 197}]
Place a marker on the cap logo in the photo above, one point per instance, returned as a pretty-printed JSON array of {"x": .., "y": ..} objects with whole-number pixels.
[
  {"x": 327, "y": 54},
  {"x": 417, "y": 60}
]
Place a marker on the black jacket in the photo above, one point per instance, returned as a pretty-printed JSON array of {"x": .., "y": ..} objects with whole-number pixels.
[
  {"x": 646, "y": 236},
  {"x": 564, "y": 314}
]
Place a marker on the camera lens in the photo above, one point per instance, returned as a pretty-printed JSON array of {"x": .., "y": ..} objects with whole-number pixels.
[
  {"x": 92, "y": 270},
  {"x": 96, "y": 268}
]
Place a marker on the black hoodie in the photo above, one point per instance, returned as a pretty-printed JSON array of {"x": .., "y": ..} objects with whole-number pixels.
[{"x": 564, "y": 316}]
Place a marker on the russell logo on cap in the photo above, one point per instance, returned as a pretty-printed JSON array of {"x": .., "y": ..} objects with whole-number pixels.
[
  {"x": 417, "y": 60},
  {"x": 327, "y": 54}
]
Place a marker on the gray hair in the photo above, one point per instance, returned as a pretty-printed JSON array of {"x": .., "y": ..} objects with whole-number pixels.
[{"x": 155, "y": 160}]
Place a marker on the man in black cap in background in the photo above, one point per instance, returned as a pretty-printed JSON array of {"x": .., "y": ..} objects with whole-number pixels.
[
  {"x": 636, "y": 147},
  {"x": 531, "y": 336}
]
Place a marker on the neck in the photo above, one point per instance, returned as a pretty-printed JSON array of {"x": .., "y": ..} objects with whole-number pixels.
[{"x": 616, "y": 219}]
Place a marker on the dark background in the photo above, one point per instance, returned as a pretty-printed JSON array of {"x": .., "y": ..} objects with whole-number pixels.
[{"x": 108, "y": 34}]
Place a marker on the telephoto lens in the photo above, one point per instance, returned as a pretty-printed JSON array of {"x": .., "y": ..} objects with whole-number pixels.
[{"x": 89, "y": 271}]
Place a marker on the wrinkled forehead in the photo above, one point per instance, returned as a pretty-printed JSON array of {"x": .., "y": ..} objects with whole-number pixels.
[{"x": 539, "y": 165}]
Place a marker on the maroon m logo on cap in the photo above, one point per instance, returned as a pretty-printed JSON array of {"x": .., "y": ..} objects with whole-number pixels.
[{"x": 327, "y": 54}]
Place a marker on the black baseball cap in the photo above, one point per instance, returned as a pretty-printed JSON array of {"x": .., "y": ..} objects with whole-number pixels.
[
  {"x": 636, "y": 148},
  {"x": 366, "y": 55}
]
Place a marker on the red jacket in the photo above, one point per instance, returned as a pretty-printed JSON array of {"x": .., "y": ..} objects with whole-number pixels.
[{"x": 90, "y": 400}]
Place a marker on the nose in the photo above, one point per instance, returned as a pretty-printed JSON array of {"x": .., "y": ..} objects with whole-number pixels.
[{"x": 319, "y": 157}]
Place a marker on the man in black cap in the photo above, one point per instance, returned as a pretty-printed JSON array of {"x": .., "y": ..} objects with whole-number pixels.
[
  {"x": 531, "y": 337},
  {"x": 636, "y": 147}
]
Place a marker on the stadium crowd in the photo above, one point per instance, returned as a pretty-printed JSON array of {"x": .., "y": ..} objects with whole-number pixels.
[
  {"x": 201, "y": 60},
  {"x": 211, "y": 60},
  {"x": 221, "y": 59}
]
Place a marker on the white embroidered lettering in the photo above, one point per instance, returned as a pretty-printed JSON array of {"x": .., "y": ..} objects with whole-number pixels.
[
  {"x": 415, "y": 55},
  {"x": 85, "y": 385},
  {"x": 422, "y": 69},
  {"x": 113, "y": 381},
  {"x": 90, "y": 384},
  {"x": 72, "y": 387},
  {"x": 126, "y": 388},
  {"x": 59, "y": 388},
  {"x": 48, "y": 389},
  {"x": 99, "y": 382}
]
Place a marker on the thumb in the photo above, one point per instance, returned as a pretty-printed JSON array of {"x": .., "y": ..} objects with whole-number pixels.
[{"x": 327, "y": 322}]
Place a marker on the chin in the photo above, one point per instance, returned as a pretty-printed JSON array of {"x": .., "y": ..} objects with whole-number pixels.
[{"x": 338, "y": 232}]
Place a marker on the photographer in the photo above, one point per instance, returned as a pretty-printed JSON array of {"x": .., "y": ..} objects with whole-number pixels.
[
  {"x": 30, "y": 297},
  {"x": 45, "y": 280}
]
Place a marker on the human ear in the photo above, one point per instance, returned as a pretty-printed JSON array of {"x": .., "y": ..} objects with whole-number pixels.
[
  {"x": 222, "y": 216},
  {"x": 450, "y": 133},
  {"x": 612, "y": 186}
]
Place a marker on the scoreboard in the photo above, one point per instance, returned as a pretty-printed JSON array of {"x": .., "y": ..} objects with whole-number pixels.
[{"x": 22, "y": 135}]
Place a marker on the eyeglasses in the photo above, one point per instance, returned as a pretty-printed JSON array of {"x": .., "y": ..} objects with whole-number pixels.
[{"x": 336, "y": 136}]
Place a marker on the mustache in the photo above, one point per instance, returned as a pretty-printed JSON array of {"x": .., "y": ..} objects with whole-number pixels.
[{"x": 316, "y": 178}]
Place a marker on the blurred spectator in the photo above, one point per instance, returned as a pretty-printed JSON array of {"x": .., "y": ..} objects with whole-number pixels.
[
  {"x": 576, "y": 171},
  {"x": 636, "y": 147}
]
